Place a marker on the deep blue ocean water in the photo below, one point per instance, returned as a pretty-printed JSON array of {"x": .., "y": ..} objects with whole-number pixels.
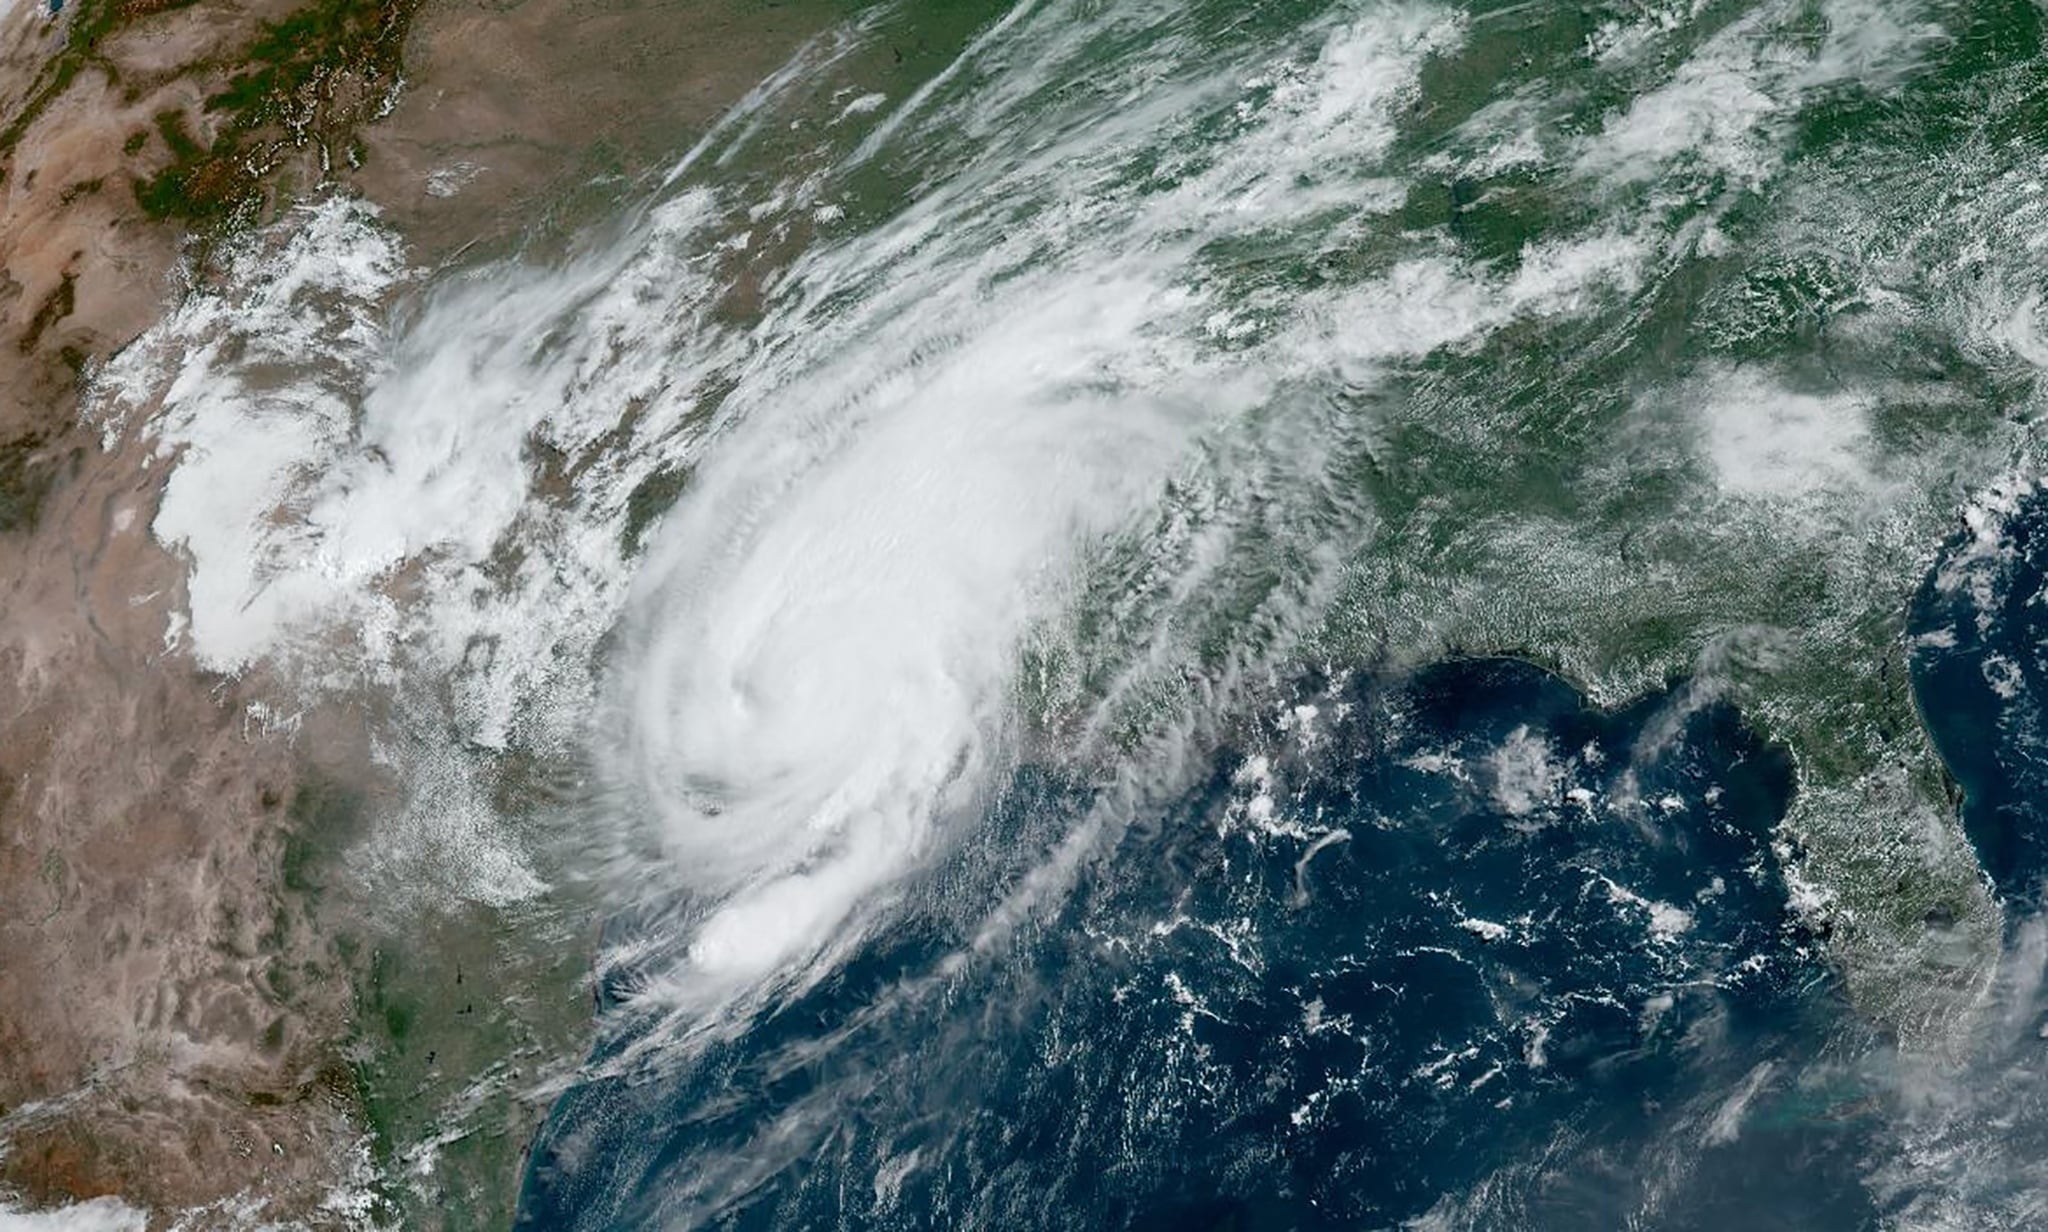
[
  {"x": 1430, "y": 977},
  {"x": 1980, "y": 664},
  {"x": 1478, "y": 954},
  {"x": 1420, "y": 979}
]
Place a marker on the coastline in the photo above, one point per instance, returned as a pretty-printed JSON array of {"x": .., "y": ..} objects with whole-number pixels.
[{"x": 196, "y": 959}]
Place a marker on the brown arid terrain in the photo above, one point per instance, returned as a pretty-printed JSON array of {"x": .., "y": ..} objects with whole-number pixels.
[
  {"x": 168, "y": 1020},
  {"x": 181, "y": 1014},
  {"x": 168, "y": 1023}
]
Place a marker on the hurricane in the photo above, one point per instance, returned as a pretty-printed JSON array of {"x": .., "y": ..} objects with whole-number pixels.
[{"x": 1141, "y": 614}]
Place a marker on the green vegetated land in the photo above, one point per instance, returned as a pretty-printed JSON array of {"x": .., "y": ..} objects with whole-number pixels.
[
  {"x": 460, "y": 1012},
  {"x": 307, "y": 80}
]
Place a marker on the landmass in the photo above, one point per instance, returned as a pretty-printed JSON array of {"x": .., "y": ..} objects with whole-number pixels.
[
  {"x": 204, "y": 1013},
  {"x": 199, "y": 1014}
]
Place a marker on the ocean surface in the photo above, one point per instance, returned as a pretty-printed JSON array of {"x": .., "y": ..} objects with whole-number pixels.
[
  {"x": 1437, "y": 945},
  {"x": 1471, "y": 952},
  {"x": 1147, "y": 614},
  {"x": 1478, "y": 952},
  {"x": 1980, "y": 633}
]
